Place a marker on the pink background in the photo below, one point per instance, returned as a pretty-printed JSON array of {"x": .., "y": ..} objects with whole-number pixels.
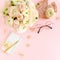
[{"x": 42, "y": 46}]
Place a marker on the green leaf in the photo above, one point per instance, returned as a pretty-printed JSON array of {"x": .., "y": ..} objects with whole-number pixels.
[{"x": 5, "y": 12}]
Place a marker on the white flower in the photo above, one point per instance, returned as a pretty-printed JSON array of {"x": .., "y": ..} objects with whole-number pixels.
[
  {"x": 22, "y": 28},
  {"x": 13, "y": 11},
  {"x": 9, "y": 21}
]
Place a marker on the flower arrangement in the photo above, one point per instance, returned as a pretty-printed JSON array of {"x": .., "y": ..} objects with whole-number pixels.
[{"x": 20, "y": 14}]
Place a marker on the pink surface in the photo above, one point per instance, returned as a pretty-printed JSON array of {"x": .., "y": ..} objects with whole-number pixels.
[{"x": 42, "y": 46}]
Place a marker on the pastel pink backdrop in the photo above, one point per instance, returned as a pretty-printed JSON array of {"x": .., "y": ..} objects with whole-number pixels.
[{"x": 42, "y": 46}]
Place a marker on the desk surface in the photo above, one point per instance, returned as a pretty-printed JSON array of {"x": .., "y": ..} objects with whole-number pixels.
[{"x": 34, "y": 46}]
